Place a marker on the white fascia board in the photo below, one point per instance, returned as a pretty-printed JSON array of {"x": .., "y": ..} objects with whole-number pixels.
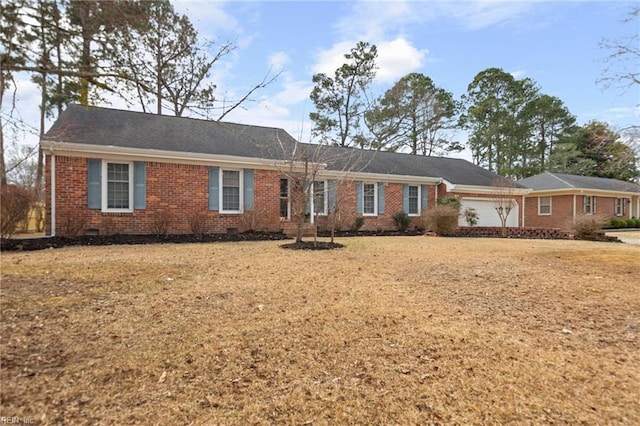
[
  {"x": 378, "y": 177},
  {"x": 448, "y": 185},
  {"x": 161, "y": 156},
  {"x": 492, "y": 190},
  {"x": 581, "y": 191}
]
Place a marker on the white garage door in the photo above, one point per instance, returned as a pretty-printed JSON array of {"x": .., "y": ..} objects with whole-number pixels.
[{"x": 487, "y": 214}]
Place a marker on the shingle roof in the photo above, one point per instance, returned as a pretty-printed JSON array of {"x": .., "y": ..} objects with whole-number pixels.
[
  {"x": 110, "y": 127},
  {"x": 555, "y": 181}
]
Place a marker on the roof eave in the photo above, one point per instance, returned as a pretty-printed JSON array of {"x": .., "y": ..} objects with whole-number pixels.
[
  {"x": 581, "y": 191},
  {"x": 161, "y": 156},
  {"x": 492, "y": 190}
]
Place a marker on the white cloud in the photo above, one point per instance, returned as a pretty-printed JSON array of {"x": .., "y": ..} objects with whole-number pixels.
[
  {"x": 329, "y": 60},
  {"x": 208, "y": 16},
  {"x": 518, "y": 74},
  {"x": 278, "y": 60},
  {"x": 622, "y": 116},
  {"x": 293, "y": 91},
  {"x": 372, "y": 19},
  {"x": 482, "y": 14},
  {"x": 397, "y": 58}
]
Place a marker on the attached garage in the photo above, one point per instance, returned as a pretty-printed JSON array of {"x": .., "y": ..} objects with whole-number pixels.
[{"x": 487, "y": 214}]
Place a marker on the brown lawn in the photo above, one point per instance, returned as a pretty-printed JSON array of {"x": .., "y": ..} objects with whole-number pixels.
[{"x": 413, "y": 330}]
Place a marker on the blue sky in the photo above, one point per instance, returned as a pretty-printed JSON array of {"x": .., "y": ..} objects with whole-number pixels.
[{"x": 554, "y": 43}]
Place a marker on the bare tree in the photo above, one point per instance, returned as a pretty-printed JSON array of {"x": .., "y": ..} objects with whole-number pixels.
[
  {"x": 622, "y": 67},
  {"x": 304, "y": 164},
  {"x": 503, "y": 200},
  {"x": 170, "y": 64}
]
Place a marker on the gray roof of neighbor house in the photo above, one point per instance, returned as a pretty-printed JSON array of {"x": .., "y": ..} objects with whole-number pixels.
[
  {"x": 111, "y": 127},
  {"x": 558, "y": 181}
]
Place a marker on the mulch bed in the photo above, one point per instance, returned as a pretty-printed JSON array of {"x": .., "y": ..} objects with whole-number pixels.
[
  {"x": 28, "y": 244},
  {"x": 311, "y": 245}
]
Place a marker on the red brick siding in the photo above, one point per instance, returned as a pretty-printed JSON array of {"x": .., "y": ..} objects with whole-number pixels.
[
  {"x": 562, "y": 210},
  {"x": 177, "y": 190},
  {"x": 346, "y": 199}
]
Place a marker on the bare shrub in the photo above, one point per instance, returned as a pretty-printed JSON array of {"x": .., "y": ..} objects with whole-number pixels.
[
  {"x": 16, "y": 203},
  {"x": 161, "y": 222},
  {"x": 257, "y": 220},
  {"x": 198, "y": 223},
  {"x": 588, "y": 227},
  {"x": 70, "y": 225},
  {"x": 441, "y": 219}
]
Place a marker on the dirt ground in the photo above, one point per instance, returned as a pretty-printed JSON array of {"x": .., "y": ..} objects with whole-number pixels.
[{"x": 387, "y": 330}]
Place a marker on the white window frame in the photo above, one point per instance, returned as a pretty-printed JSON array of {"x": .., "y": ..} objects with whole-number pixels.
[
  {"x": 240, "y": 189},
  {"x": 419, "y": 196},
  {"x": 591, "y": 204},
  {"x": 540, "y": 205},
  {"x": 619, "y": 206},
  {"x": 325, "y": 197},
  {"x": 375, "y": 199},
  {"x": 105, "y": 187}
]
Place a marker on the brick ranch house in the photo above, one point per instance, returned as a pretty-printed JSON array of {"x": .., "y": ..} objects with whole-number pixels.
[
  {"x": 556, "y": 199},
  {"x": 111, "y": 171}
]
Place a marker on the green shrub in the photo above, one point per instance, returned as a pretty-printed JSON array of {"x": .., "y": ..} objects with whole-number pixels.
[
  {"x": 636, "y": 223},
  {"x": 441, "y": 219},
  {"x": 358, "y": 222},
  {"x": 617, "y": 223},
  {"x": 402, "y": 221},
  {"x": 630, "y": 223},
  {"x": 588, "y": 227}
]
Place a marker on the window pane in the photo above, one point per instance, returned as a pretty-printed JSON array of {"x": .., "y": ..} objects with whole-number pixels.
[
  {"x": 369, "y": 197},
  {"x": 544, "y": 205},
  {"x": 318, "y": 197},
  {"x": 619, "y": 206},
  {"x": 588, "y": 206},
  {"x": 284, "y": 198},
  {"x": 117, "y": 186},
  {"x": 231, "y": 190},
  {"x": 413, "y": 200}
]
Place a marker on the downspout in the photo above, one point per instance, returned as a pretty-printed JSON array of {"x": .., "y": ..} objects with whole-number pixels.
[
  {"x": 574, "y": 205},
  {"x": 53, "y": 193},
  {"x": 523, "y": 211}
]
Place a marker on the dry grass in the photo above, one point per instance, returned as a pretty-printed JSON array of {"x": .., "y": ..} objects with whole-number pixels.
[{"x": 412, "y": 330}]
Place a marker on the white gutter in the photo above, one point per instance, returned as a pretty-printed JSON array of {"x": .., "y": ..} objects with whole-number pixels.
[
  {"x": 582, "y": 191},
  {"x": 52, "y": 174},
  {"x": 378, "y": 177},
  {"x": 162, "y": 156},
  {"x": 473, "y": 189}
]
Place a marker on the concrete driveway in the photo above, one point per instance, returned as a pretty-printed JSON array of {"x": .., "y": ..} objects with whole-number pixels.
[{"x": 629, "y": 236}]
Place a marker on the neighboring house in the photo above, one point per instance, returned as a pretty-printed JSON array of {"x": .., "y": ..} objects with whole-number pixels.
[
  {"x": 556, "y": 199},
  {"x": 112, "y": 171}
]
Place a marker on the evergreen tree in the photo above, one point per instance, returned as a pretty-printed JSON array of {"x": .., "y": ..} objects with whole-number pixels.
[
  {"x": 340, "y": 101},
  {"x": 414, "y": 114}
]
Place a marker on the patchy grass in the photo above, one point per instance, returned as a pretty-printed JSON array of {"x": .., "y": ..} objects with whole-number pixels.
[{"x": 408, "y": 330}]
